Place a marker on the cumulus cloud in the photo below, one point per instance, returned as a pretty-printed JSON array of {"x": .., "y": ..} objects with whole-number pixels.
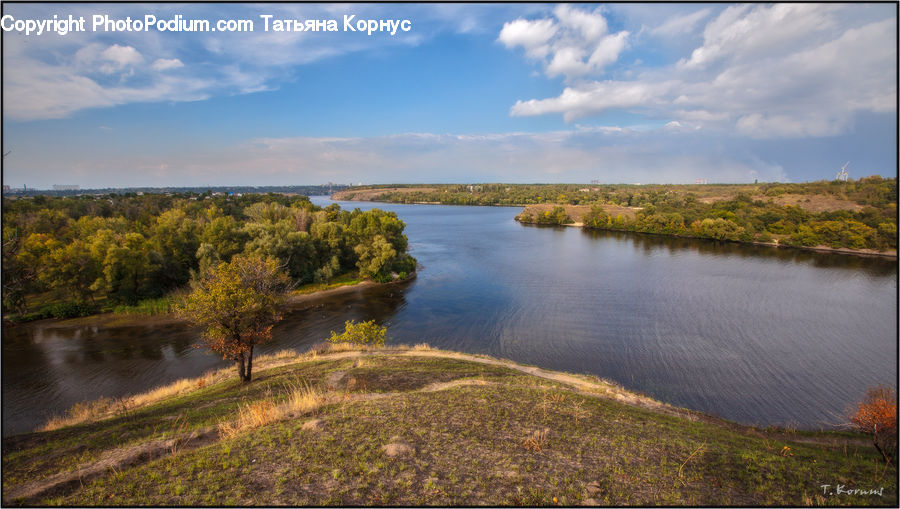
[
  {"x": 764, "y": 71},
  {"x": 121, "y": 56},
  {"x": 595, "y": 98},
  {"x": 573, "y": 43},
  {"x": 534, "y": 36}
]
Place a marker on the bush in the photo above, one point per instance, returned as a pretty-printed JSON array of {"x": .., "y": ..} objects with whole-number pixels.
[
  {"x": 876, "y": 415},
  {"x": 71, "y": 309},
  {"x": 404, "y": 264},
  {"x": 362, "y": 334}
]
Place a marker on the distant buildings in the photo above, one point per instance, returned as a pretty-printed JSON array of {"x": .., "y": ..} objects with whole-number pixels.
[{"x": 66, "y": 187}]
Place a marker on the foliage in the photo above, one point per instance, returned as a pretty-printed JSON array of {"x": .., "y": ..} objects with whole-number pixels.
[
  {"x": 362, "y": 334},
  {"x": 237, "y": 303},
  {"x": 123, "y": 249},
  {"x": 876, "y": 415},
  {"x": 555, "y": 216},
  {"x": 375, "y": 258},
  {"x": 71, "y": 309}
]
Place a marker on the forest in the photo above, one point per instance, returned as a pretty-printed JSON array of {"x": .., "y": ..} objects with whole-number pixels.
[{"x": 72, "y": 256}]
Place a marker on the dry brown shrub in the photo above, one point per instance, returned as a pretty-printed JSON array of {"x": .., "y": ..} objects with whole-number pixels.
[{"x": 876, "y": 415}]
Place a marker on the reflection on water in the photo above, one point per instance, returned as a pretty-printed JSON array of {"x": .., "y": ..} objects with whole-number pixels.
[{"x": 751, "y": 333}]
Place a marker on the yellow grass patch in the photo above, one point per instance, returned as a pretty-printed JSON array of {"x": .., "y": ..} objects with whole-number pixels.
[
  {"x": 301, "y": 400},
  {"x": 102, "y": 408}
]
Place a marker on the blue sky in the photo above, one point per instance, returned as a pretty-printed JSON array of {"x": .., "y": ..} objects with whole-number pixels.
[{"x": 622, "y": 93}]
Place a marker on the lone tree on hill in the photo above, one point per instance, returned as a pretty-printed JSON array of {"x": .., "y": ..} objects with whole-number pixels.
[{"x": 237, "y": 303}]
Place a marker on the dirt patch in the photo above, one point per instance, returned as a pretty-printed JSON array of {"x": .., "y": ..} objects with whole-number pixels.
[
  {"x": 373, "y": 194},
  {"x": 813, "y": 202},
  {"x": 334, "y": 379},
  {"x": 398, "y": 448},
  {"x": 713, "y": 199},
  {"x": 313, "y": 425}
]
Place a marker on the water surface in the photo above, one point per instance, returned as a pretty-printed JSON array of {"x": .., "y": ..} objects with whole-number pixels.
[{"x": 753, "y": 334}]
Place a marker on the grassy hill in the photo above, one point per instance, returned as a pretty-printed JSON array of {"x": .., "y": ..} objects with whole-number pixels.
[{"x": 417, "y": 426}]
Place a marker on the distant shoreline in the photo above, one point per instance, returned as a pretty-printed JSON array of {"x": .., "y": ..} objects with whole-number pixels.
[{"x": 821, "y": 249}]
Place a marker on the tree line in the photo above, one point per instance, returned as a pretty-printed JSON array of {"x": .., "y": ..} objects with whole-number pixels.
[
  {"x": 871, "y": 191},
  {"x": 76, "y": 252},
  {"x": 743, "y": 219},
  {"x": 735, "y": 212}
]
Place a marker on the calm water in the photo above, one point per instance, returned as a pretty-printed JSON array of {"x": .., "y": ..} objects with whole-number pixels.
[{"x": 757, "y": 335}]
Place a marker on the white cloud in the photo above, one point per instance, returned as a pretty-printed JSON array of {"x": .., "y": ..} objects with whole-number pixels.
[
  {"x": 573, "y": 43},
  {"x": 594, "y": 98},
  {"x": 531, "y": 35},
  {"x": 121, "y": 56},
  {"x": 787, "y": 70},
  {"x": 681, "y": 25},
  {"x": 164, "y": 64}
]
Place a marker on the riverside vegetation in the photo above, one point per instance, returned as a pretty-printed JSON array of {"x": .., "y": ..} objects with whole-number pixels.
[
  {"x": 354, "y": 424},
  {"x": 854, "y": 215},
  {"x": 72, "y": 256}
]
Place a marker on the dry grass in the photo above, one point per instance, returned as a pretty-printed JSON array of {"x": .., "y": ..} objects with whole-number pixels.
[
  {"x": 301, "y": 400},
  {"x": 536, "y": 441},
  {"x": 81, "y": 412},
  {"x": 105, "y": 407},
  {"x": 251, "y": 415}
]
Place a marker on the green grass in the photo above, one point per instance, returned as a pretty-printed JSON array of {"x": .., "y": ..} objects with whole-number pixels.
[
  {"x": 159, "y": 306},
  {"x": 345, "y": 279},
  {"x": 482, "y": 444}
]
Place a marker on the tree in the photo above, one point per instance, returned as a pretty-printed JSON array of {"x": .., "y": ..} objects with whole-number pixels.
[
  {"x": 375, "y": 259},
  {"x": 126, "y": 265},
  {"x": 596, "y": 218},
  {"x": 70, "y": 268},
  {"x": 876, "y": 415},
  {"x": 237, "y": 303}
]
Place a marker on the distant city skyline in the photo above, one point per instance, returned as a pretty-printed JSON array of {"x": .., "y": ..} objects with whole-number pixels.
[{"x": 615, "y": 93}]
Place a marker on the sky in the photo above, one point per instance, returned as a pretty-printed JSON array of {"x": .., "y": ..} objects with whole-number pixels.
[{"x": 619, "y": 93}]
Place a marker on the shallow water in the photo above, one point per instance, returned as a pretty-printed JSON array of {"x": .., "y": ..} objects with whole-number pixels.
[{"x": 753, "y": 334}]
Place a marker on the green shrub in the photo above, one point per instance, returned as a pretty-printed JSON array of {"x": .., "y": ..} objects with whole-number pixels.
[
  {"x": 405, "y": 263},
  {"x": 362, "y": 334},
  {"x": 71, "y": 309}
]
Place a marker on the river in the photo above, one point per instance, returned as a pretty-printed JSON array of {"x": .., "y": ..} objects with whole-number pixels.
[{"x": 754, "y": 334}]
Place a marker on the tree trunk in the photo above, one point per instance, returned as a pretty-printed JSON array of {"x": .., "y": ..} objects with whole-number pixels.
[
  {"x": 883, "y": 454},
  {"x": 249, "y": 364},
  {"x": 240, "y": 365}
]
